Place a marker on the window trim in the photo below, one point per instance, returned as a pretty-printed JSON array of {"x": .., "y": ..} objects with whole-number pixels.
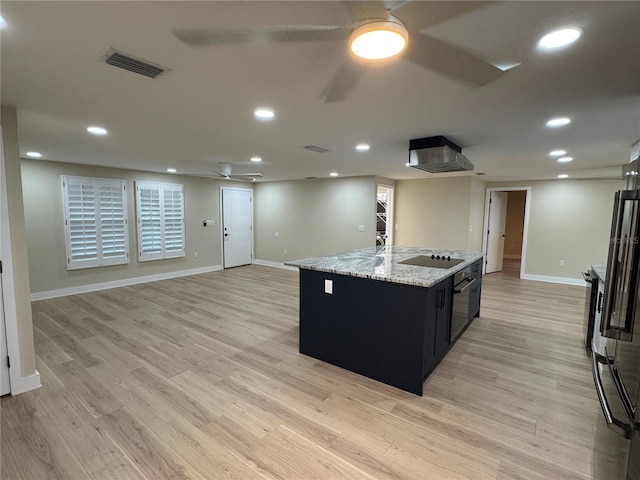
[
  {"x": 162, "y": 189},
  {"x": 100, "y": 260}
]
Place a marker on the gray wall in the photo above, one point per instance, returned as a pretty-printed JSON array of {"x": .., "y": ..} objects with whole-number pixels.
[
  {"x": 570, "y": 220},
  {"x": 313, "y": 217},
  {"x": 45, "y": 229},
  {"x": 444, "y": 212}
]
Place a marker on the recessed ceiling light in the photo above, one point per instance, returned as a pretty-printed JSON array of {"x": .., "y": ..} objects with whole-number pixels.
[
  {"x": 379, "y": 39},
  {"x": 559, "y": 122},
  {"x": 333, "y": 174},
  {"x": 362, "y": 147},
  {"x": 559, "y": 38},
  {"x": 34, "y": 154},
  {"x": 256, "y": 159},
  {"x": 557, "y": 153},
  {"x": 264, "y": 113},
  {"x": 563, "y": 175},
  {"x": 253, "y": 180},
  {"x": 565, "y": 159},
  {"x": 171, "y": 170},
  {"x": 97, "y": 130}
]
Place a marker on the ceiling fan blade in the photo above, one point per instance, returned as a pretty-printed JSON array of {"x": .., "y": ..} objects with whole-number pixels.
[
  {"x": 418, "y": 15},
  {"x": 343, "y": 81},
  {"x": 362, "y": 9},
  {"x": 221, "y": 36},
  {"x": 246, "y": 175},
  {"x": 449, "y": 60}
]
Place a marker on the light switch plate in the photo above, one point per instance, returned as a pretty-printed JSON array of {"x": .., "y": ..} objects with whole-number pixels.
[
  {"x": 328, "y": 287},
  {"x": 361, "y": 228}
]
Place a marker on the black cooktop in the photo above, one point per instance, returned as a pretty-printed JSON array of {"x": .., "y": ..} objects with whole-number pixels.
[{"x": 433, "y": 261}]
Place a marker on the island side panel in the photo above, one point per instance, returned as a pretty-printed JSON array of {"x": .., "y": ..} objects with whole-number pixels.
[{"x": 370, "y": 327}]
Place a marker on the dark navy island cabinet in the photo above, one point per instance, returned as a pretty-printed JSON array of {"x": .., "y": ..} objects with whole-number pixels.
[{"x": 390, "y": 332}]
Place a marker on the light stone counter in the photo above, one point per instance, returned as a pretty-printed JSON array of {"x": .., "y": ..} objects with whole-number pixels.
[
  {"x": 381, "y": 263},
  {"x": 600, "y": 271}
]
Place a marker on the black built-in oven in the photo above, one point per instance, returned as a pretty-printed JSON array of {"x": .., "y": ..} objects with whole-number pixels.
[{"x": 464, "y": 283}]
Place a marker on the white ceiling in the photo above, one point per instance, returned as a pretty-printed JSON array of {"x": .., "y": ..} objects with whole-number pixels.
[{"x": 200, "y": 112}]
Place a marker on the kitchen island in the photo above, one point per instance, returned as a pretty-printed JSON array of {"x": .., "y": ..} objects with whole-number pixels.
[{"x": 370, "y": 312}]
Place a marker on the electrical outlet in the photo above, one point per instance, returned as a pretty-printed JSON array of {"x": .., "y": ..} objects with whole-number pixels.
[
  {"x": 195, "y": 254},
  {"x": 361, "y": 228},
  {"x": 285, "y": 251},
  {"x": 328, "y": 287},
  {"x": 561, "y": 263},
  {"x": 471, "y": 228},
  {"x": 277, "y": 234}
]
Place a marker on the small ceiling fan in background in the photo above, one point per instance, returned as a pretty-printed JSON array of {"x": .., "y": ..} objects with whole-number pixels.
[
  {"x": 409, "y": 17},
  {"x": 224, "y": 172}
]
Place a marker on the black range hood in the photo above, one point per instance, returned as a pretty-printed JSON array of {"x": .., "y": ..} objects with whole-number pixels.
[{"x": 437, "y": 155}]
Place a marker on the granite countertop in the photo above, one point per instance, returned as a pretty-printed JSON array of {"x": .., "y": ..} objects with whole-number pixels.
[
  {"x": 600, "y": 271},
  {"x": 381, "y": 263}
]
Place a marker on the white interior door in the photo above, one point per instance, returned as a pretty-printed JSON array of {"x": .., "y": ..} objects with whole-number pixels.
[
  {"x": 237, "y": 227},
  {"x": 496, "y": 231},
  {"x": 5, "y": 386}
]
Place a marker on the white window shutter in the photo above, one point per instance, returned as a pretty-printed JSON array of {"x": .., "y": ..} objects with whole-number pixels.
[
  {"x": 149, "y": 221},
  {"x": 95, "y": 212},
  {"x": 160, "y": 212},
  {"x": 113, "y": 224},
  {"x": 173, "y": 220}
]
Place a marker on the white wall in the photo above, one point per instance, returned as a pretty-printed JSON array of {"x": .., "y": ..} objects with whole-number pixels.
[
  {"x": 313, "y": 217},
  {"x": 45, "y": 228},
  {"x": 569, "y": 220}
]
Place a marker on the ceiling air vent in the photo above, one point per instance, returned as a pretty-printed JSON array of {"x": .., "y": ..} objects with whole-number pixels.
[
  {"x": 133, "y": 64},
  {"x": 313, "y": 148}
]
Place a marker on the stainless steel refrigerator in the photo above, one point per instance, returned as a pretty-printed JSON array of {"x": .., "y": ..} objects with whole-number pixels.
[{"x": 616, "y": 373}]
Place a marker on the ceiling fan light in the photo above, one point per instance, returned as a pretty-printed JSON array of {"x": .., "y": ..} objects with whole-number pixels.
[{"x": 378, "y": 39}]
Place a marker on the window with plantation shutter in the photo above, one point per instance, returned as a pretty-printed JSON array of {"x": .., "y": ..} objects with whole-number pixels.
[
  {"x": 95, "y": 218},
  {"x": 160, "y": 214}
]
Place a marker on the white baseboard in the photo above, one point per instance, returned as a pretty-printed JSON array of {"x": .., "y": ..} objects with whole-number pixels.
[
  {"x": 563, "y": 280},
  {"x": 25, "y": 384},
  {"x": 512, "y": 257},
  {"x": 267, "y": 263},
  {"x": 94, "y": 287}
]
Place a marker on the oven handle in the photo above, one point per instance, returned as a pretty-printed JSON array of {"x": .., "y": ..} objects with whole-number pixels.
[
  {"x": 470, "y": 281},
  {"x": 621, "y": 428}
]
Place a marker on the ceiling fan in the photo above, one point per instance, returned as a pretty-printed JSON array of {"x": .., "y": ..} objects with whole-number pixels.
[
  {"x": 224, "y": 172},
  {"x": 408, "y": 17}
]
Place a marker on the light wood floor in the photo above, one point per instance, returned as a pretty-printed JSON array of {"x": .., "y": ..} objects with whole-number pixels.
[{"x": 200, "y": 378}]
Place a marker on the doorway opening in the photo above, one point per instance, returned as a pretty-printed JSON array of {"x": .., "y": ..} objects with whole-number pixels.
[
  {"x": 384, "y": 215},
  {"x": 506, "y": 225}
]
